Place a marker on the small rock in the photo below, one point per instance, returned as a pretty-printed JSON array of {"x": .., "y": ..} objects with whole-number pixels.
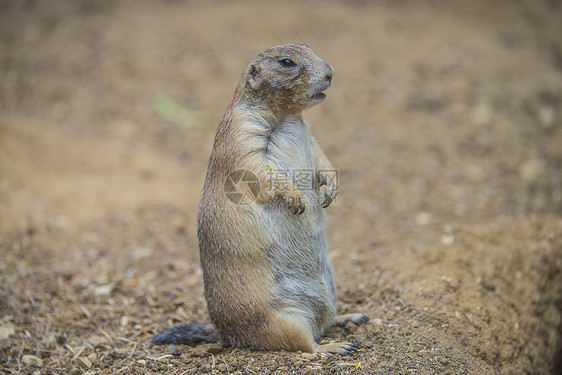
[
  {"x": 124, "y": 321},
  {"x": 443, "y": 361},
  {"x": 205, "y": 369},
  {"x": 214, "y": 349},
  {"x": 84, "y": 362},
  {"x": 142, "y": 252},
  {"x": 174, "y": 351},
  {"x": 6, "y": 330},
  {"x": 103, "y": 290},
  {"x": 423, "y": 218},
  {"x": 97, "y": 341},
  {"x": 222, "y": 368},
  {"x": 32, "y": 360},
  {"x": 309, "y": 356},
  {"x": 447, "y": 239},
  {"x": 379, "y": 322}
]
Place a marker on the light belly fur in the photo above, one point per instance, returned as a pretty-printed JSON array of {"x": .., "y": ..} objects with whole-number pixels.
[{"x": 297, "y": 245}]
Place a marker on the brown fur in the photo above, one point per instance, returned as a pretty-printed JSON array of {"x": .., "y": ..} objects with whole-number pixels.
[{"x": 268, "y": 281}]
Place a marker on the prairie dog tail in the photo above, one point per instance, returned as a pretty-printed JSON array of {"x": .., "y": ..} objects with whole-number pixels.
[{"x": 187, "y": 334}]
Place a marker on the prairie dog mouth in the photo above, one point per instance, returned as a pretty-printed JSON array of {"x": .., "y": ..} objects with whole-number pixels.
[
  {"x": 318, "y": 93},
  {"x": 315, "y": 93},
  {"x": 318, "y": 96}
]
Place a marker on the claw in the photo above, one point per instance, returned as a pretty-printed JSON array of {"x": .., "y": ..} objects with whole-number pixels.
[
  {"x": 361, "y": 319},
  {"x": 295, "y": 205},
  {"x": 348, "y": 348},
  {"x": 321, "y": 180},
  {"x": 336, "y": 347},
  {"x": 290, "y": 201}
]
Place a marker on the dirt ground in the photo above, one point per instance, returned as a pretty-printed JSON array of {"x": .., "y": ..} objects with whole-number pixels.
[{"x": 445, "y": 123}]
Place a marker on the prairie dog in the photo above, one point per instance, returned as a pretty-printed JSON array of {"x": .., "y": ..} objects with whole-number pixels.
[{"x": 268, "y": 281}]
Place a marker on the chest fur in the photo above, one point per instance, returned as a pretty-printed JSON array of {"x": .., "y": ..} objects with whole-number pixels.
[{"x": 290, "y": 146}]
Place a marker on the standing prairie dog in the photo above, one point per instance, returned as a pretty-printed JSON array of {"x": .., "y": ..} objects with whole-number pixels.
[{"x": 268, "y": 281}]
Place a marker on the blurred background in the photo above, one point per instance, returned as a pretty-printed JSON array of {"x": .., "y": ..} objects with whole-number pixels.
[
  {"x": 444, "y": 118},
  {"x": 457, "y": 104}
]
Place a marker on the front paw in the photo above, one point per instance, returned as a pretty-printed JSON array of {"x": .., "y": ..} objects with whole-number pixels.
[
  {"x": 295, "y": 202},
  {"x": 330, "y": 193},
  {"x": 328, "y": 185},
  {"x": 341, "y": 320}
]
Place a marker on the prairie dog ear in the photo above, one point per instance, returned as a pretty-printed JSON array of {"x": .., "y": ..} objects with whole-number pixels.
[{"x": 253, "y": 77}]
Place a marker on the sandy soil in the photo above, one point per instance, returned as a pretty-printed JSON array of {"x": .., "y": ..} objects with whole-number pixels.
[{"x": 444, "y": 121}]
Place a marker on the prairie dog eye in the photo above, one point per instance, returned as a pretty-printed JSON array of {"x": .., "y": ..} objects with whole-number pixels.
[{"x": 287, "y": 63}]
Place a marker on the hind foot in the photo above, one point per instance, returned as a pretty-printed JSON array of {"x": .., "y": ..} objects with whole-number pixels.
[
  {"x": 341, "y": 320},
  {"x": 335, "y": 347}
]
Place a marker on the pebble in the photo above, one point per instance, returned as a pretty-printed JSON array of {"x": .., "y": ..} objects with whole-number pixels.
[
  {"x": 6, "y": 330},
  {"x": 32, "y": 360},
  {"x": 84, "y": 362},
  {"x": 103, "y": 290},
  {"x": 97, "y": 341},
  {"x": 379, "y": 322},
  {"x": 447, "y": 239},
  {"x": 423, "y": 218},
  {"x": 222, "y": 368}
]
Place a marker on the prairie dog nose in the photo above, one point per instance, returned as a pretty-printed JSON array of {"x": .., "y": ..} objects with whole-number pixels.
[{"x": 329, "y": 72}]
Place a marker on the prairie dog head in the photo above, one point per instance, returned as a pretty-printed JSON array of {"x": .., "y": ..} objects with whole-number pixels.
[{"x": 290, "y": 76}]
